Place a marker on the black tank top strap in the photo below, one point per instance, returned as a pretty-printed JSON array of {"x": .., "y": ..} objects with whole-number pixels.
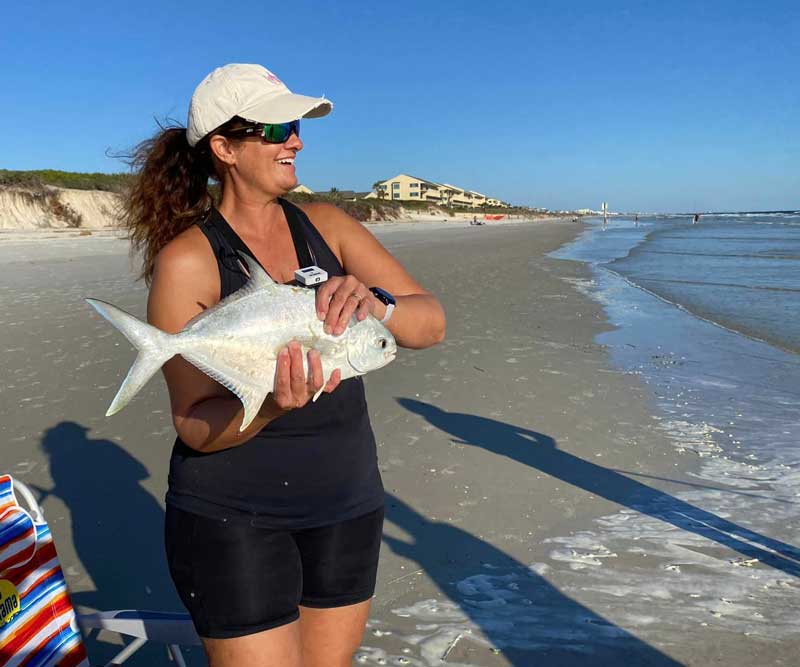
[
  {"x": 310, "y": 248},
  {"x": 320, "y": 252},
  {"x": 225, "y": 243},
  {"x": 297, "y": 219}
]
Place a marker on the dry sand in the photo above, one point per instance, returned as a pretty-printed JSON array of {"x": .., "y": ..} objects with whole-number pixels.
[{"x": 494, "y": 446}]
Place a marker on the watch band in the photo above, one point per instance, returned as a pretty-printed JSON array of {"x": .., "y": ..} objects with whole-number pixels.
[
  {"x": 386, "y": 299},
  {"x": 388, "y": 314}
]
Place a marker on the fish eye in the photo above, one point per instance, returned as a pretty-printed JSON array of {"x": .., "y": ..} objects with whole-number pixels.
[{"x": 383, "y": 343}]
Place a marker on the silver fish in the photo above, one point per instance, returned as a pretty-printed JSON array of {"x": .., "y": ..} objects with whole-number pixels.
[{"x": 236, "y": 342}]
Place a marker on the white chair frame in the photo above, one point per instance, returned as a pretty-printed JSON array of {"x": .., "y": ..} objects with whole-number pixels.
[{"x": 169, "y": 628}]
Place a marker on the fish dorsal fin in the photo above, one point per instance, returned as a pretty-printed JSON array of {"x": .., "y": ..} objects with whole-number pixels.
[{"x": 258, "y": 279}]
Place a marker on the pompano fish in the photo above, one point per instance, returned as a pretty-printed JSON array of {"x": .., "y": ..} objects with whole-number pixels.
[{"x": 236, "y": 342}]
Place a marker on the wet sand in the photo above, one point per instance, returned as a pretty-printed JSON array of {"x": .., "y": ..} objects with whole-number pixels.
[{"x": 512, "y": 434}]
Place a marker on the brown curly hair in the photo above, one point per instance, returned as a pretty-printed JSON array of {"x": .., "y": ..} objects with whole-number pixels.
[{"x": 171, "y": 190}]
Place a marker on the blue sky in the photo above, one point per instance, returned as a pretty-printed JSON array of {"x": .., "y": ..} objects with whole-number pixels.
[{"x": 648, "y": 105}]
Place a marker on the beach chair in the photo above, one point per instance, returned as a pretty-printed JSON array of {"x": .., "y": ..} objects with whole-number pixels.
[{"x": 38, "y": 626}]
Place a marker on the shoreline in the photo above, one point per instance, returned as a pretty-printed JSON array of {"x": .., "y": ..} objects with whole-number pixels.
[
  {"x": 729, "y": 326},
  {"x": 725, "y": 539},
  {"x": 715, "y": 319}
]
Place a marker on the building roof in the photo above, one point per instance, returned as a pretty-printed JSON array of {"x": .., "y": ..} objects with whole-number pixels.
[
  {"x": 447, "y": 186},
  {"x": 424, "y": 180},
  {"x": 416, "y": 178}
]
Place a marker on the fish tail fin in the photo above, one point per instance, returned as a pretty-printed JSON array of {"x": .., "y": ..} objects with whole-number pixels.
[{"x": 155, "y": 348}]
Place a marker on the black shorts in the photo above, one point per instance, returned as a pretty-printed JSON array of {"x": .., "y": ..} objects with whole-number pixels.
[{"x": 237, "y": 578}]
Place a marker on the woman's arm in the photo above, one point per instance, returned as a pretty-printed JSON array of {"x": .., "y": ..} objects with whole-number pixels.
[
  {"x": 418, "y": 320},
  {"x": 206, "y": 415}
]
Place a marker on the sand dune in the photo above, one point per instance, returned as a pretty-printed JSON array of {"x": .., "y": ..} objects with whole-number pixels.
[{"x": 26, "y": 209}]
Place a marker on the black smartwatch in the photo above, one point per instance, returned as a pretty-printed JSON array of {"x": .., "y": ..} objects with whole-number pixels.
[{"x": 386, "y": 299}]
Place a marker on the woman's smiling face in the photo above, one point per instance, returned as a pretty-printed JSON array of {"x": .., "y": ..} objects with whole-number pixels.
[{"x": 263, "y": 166}]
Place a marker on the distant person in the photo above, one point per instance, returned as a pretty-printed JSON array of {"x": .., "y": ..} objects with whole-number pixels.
[
  {"x": 273, "y": 533},
  {"x": 696, "y": 218},
  {"x": 474, "y": 220},
  {"x": 636, "y": 220}
]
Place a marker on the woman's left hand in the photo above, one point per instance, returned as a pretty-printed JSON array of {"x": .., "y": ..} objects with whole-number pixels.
[{"x": 339, "y": 298}]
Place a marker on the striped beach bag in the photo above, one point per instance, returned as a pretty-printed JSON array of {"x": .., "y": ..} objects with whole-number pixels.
[{"x": 38, "y": 627}]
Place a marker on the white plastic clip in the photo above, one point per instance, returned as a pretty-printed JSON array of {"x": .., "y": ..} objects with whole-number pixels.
[{"x": 310, "y": 276}]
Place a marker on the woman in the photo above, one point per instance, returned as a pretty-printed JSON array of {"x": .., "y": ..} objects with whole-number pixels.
[{"x": 272, "y": 534}]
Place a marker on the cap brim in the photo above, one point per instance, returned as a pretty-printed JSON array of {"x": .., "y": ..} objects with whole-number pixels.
[{"x": 287, "y": 107}]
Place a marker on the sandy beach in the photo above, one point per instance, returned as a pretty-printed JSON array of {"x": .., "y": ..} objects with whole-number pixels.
[{"x": 501, "y": 450}]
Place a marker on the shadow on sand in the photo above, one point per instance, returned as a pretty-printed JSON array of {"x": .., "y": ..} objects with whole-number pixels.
[
  {"x": 521, "y": 614},
  {"x": 117, "y": 525},
  {"x": 540, "y": 452}
]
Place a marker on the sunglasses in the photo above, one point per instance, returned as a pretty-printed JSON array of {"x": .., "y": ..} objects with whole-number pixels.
[{"x": 272, "y": 133}]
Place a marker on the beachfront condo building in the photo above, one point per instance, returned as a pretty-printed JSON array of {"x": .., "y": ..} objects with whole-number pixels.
[{"x": 404, "y": 187}]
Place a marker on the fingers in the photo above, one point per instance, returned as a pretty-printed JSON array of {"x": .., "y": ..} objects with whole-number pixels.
[
  {"x": 339, "y": 299},
  {"x": 293, "y": 385},
  {"x": 340, "y": 303},
  {"x": 333, "y": 382},
  {"x": 364, "y": 308},
  {"x": 315, "y": 376},
  {"x": 352, "y": 301},
  {"x": 282, "y": 391},
  {"x": 324, "y": 294},
  {"x": 297, "y": 375}
]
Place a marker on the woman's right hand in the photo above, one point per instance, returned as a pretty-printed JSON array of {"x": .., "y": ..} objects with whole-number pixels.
[{"x": 293, "y": 388}]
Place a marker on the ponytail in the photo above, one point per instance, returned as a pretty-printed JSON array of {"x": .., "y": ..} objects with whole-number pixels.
[{"x": 169, "y": 195}]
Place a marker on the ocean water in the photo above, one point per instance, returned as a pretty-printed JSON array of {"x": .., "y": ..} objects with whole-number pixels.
[
  {"x": 738, "y": 270},
  {"x": 708, "y": 316},
  {"x": 742, "y": 271}
]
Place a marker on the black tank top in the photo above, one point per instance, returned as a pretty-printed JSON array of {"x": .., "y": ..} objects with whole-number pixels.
[{"x": 313, "y": 466}]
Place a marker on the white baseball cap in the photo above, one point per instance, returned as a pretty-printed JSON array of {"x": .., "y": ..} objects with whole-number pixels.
[{"x": 249, "y": 91}]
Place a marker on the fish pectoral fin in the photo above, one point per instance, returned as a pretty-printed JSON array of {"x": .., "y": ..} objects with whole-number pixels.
[
  {"x": 250, "y": 393},
  {"x": 306, "y": 340},
  {"x": 252, "y": 399},
  {"x": 327, "y": 348}
]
